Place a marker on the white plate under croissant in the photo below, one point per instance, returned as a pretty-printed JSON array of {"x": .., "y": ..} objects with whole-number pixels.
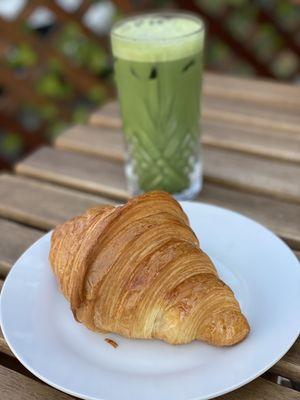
[{"x": 144, "y": 298}]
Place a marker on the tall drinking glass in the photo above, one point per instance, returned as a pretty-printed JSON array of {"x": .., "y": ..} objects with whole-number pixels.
[{"x": 158, "y": 68}]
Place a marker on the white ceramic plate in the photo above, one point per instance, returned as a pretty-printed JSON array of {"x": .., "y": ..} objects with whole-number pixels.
[{"x": 264, "y": 274}]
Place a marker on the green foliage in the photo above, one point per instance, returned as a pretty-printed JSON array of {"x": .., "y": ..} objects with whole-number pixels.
[
  {"x": 30, "y": 116},
  {"x": 241, "y": 20},
  {"x": 96, "y": 95},
  {"x": 285, "y": 63},
  {"x": 218, "y": 51},
  {"x": 217, "y": 7},
  {"x": 11, "y": 144},
  {"x": 266, "y": 42},
  {"x": 54, "y": 129},
  {"x": 52, "y": 85},
  {"x": 288, "y": 14},
  {"x": 54, "y": 65},
  {"x": 80, "y": 115},
  {"x": 22, "y": 56},
  {"x": 81, "y": 50},
  {"x": 49, "y": 111}
]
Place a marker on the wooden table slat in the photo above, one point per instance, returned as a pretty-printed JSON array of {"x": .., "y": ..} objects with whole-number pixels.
[
  {"x": 107, "y": 116},
  {"x": 245, "y": 113},
  {"x": 4, "y": 348},
  {"x": 215, "y": 134},
  {"x": 260, "y": 389},
  {"x": 93, "y": 140},
  {"x": 40, "y": 204},
  {"x": 82, "y": 172},
  {"x": 230, "y": 168},
  {"x": 265, "y": 94},
  {"x": 244, "y": 172},
  {"x": 249, "y": 140},
  {"x": 75, "y": 170},
  {"x": 254, "y": 174},
  {"x": 279, "y": 95},
  {"x": 3, "y": 345},
  {"x": 15, "y": 239},
  {"x": 15, "y": 386},
  {"x": 43, "y": 206},
  {"x": 86, "y": 138},
  {"x": 236, "y": 113},
  {"x": 280, "y": 217},
  {"x": 289, "y": 365}
]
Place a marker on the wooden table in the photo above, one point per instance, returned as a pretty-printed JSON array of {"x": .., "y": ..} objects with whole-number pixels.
[{"x": 251, "y": 137}]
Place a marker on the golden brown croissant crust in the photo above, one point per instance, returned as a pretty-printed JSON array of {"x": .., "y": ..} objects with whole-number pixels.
[{"x": 137, "y": 270}]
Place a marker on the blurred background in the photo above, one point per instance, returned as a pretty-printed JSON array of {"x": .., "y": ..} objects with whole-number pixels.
[{"x": 55, "y": 64}]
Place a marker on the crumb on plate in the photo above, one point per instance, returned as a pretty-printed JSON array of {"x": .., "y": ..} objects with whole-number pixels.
[{"x": 111, "y": 342}]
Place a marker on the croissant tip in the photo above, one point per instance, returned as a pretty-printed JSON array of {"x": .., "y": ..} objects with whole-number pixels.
[
  {"x": 226, "y": 329},
  {"x": 239, "y": 336}
]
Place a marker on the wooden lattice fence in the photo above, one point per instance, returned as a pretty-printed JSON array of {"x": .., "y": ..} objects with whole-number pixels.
[{"x": 53, "y": 75}]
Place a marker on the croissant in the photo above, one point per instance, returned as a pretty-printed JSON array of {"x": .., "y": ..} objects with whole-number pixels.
[{"x": 137, "y": 270}]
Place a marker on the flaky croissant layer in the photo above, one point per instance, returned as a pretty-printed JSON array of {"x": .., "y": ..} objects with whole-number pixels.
[{"x": 137, "y": 270}]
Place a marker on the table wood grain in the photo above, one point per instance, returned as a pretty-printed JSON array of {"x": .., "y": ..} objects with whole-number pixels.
[
  {"x": 75, "y": 170},
  {"x": 264, "y": 93},
  {"x": 40, "y": 204},
  {"x": 223, "y": 135},
  {"x": 240, "y": 171},
  {"x": 15, "y": 386},
  {"x": 15, "y": 240},
  {"x": 289, "y": 365},
  {"x": 252, "y": 172},
  {"x": 251, "y": 139}
]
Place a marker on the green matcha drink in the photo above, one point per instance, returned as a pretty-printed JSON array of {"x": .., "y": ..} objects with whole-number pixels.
[{"x": 158, "y": 61}]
